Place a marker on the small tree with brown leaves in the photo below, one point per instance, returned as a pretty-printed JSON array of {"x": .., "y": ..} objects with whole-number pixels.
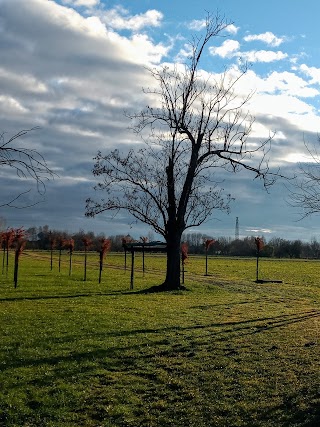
[
  {"x": 8, "y": 237},
  {"x": 104, "y": 248},
  {"x": 87, "y": 243}
]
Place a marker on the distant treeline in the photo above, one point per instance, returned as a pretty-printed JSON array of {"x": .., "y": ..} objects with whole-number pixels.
[
  {"x": 275, "y": 247},
  {"x": 40, "y": 238}
]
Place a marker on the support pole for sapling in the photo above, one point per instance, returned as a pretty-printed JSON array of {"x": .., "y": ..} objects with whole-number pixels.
[
  {"x": 52, "y": 245},
  {"x": 144, "y": 240},
  {"x": 259, "y": 244},
  {"x": 207, "y": 244},
  {"x": 87, "y": 242},
  {"x": 125, "y": 241},
  {"x": 132, "y": 269},
  {"x": 184, "y": 257}
]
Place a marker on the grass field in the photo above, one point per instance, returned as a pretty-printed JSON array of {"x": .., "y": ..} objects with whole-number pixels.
[{"x": 226, "y": 352}]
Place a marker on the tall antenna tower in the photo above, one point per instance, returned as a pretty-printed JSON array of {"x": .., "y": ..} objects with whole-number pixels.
[{"x": 236, "y": 235}]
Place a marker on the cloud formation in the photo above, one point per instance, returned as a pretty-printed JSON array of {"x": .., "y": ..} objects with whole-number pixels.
[
  {"x": 74, "y": 68},
  {"x": 228, "y": 49},
  {"x": 120, "y": 19},
  {"x": 268, "y": 38}
]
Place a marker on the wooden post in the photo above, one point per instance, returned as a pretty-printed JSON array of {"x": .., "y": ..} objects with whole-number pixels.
[
  {"x": 132, "y": 268},
  {"x": 7, "y": 264},
  {"x": 4, "y": 256},
  {"x": 100, "y": 265},
  {"x": 206, "y": 261},
  {"x": 51, "y": 249},
  {"x": 60, "y": 258},
  {"x": 85, "y": 264},
  {"x": 143, "y": 258},
  {"x": 182, "y": 272},
  {"x": 16, "y": 266},
  {"x": 70, "y": 262},
  {"x": 259, "y": 243}
]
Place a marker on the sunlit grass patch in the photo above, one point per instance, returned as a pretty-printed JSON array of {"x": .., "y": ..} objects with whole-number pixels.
[{"x": 226, "y": 352}]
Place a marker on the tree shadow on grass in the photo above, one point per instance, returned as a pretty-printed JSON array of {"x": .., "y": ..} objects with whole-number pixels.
[
  {"x": 220, "y": 331},
  {"x": 293, "y": 415},
  {"x": 137, "y": 361},
  {"x": 151, "y": 290},
  {"x": 66, "y": 296}
]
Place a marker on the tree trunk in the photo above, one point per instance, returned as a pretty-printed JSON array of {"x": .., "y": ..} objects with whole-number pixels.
[{"x": 172, "y": 281}]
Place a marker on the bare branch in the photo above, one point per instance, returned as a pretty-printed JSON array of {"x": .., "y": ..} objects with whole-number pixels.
[
  {"x": 27, "y": 163},
  {"x": 305, "y": 188}
]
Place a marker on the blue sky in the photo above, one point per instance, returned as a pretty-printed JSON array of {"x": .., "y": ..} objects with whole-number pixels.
[{"x": 72, "y": 67}]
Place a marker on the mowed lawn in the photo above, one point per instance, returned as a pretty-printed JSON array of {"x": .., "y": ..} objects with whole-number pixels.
[{"x": 225, "y": 352}]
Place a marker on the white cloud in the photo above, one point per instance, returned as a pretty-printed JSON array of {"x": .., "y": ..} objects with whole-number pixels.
[
  {"x": 298, "y": 157},
  {"x": 140, "y": 49},
  {"x": 10, "y": 105},
  {"x": 95, "y": 26},
  {"x": 268, "y": 38},
  {"x": 312, "y": 72},
  {"x": 263, "y": 56},
  {"x": 298, "y": 112},
  {"x": 119, "y": 19},
  {"x": 197, "y": 24},
  {"x": 87, "y": 3},
  {"x": 11, "y": 81},
  {"x": 228, "y": 49},
  {"x": 184, "y": 53},
  {"x": 232, "y": 29},
  {"x": 231, "y": 48},
  {"x": 288, "y": 83},
  {"x": 278, "y": 106},
  {"x": 259, "y": 230}
]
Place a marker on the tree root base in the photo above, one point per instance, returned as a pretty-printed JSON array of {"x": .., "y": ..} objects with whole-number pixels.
[{"x": 165, "y": 287}]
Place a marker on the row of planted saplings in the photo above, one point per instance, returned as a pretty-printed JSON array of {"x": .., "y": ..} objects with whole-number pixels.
[
  {"x": 104, "y": 246},
  {"x": 16, "y": 238}
]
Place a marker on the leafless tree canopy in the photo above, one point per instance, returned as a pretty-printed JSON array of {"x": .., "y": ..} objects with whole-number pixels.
[
  {"x": 27, "y": 163},
  {"x": 305, "y": 189},
  {"x": 195, "y": 125}
]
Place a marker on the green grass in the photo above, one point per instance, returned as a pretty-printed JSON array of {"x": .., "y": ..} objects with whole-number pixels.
[{"x": 226, "y": 352}]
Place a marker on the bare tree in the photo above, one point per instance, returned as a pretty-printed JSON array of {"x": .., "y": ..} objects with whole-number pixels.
[
  {"x": 305, "y": 188},
  {"x": 196, "y": 126},
  {"x": 27, "y": 163}
]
